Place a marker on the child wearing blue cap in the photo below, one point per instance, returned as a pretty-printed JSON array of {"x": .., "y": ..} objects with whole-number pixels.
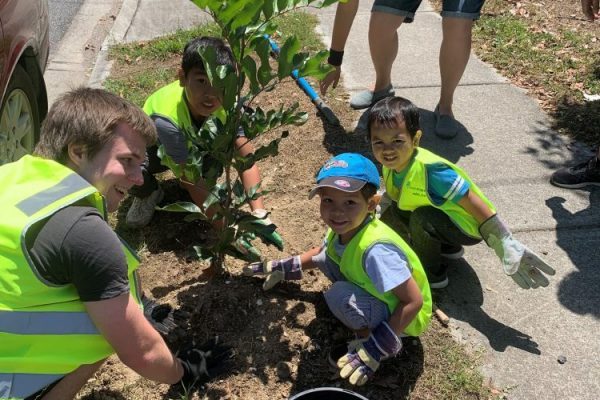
[{"x": 379, "y": 290}]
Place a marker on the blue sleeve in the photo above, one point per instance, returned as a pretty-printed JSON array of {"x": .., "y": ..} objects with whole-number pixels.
[
  {"x": 173, "y": 139},
  {"x": 386, "y": 266},
  {"x": 444, "y": 184}
]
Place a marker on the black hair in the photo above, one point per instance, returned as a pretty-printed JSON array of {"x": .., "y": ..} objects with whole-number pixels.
[
  {"x": 389, "y": 111},
  {"x": 192, "y": 59},
  {"x": 368, "y": 191}
]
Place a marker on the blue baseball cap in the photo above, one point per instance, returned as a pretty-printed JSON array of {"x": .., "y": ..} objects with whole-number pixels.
[{"x": 347, "y": 172}]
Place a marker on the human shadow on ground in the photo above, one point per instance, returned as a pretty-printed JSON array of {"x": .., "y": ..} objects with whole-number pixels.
[
  {"x": 579, "y": 290},
  {"x": 463, "y": 299},
  {"x": 339, "y": 140}
]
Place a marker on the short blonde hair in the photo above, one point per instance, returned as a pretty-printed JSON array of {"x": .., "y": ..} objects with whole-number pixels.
[{"x": 88, "y": 117}]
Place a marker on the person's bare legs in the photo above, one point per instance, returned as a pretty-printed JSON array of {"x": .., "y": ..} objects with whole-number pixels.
[
  {"x": 383, "y": 44},
  {"x": 72, "y": 383},
  {"x": 454, "y": 56}
]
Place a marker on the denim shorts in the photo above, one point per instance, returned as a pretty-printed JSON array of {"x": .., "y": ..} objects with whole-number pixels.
[{"x": 470, "y": 9}]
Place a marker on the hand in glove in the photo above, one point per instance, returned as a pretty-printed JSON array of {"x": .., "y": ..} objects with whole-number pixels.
[
  {"x": 276, "y": 271},
  {"x": 523, "y": 265},
  {"x": 205, "y": 362},
  {"x": 160, "y": 316},
  {"x": 267, "y": 229},
  {"x": 383, "y": 202},
  {"x": 360, "y": 363}
]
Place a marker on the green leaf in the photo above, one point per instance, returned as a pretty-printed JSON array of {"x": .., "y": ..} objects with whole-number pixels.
[
  {"x": 249, "y": 67},
  {"x": 316, "y": 66},
  {"x": 249, "y": 15},
  {"x": 203, "y": 253},
  {"x": 216, "y": 196},
  {"x": 182, "y": 206},
  {"x": 268, "y": 8},
  {"x": 286, "y": 55}
]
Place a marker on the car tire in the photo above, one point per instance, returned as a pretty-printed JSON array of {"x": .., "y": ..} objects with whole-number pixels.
[{"x": 19, "y": 118}]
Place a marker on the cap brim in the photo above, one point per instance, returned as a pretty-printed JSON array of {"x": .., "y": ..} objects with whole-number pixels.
[{"x": 340, "y": 183}]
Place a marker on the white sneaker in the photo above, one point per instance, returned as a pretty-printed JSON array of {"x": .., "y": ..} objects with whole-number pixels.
[{"x": 142, "y": 209}]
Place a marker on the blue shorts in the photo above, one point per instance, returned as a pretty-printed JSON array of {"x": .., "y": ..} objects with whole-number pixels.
[{"x": 470, "y": 9}]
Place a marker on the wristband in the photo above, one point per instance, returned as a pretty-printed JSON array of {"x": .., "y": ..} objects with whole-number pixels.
[{"x": 335, "y": 57}]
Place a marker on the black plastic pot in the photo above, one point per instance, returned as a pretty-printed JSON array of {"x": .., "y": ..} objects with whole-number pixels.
[{"x": 327, "y": 393}]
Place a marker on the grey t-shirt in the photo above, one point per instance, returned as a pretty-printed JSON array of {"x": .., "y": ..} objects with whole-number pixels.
[{"x": 76, "y": 246}]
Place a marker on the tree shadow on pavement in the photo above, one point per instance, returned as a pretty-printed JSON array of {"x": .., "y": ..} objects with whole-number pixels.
[
  {"x": 462, "y": 300},
  {"x": 579, "y": 290}
]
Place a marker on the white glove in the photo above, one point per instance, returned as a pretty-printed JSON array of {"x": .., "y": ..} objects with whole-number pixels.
[
  {"x": 384, "y": 202},
  {"x": 519, "y": 262}
]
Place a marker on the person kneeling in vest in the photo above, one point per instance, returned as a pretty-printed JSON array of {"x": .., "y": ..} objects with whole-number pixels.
[
  {"x": 434, "y": 203},
  {"x": 184, "y": 105},
  {"x": 69, "y": 292},
  {"x": 379, "y": 288}
]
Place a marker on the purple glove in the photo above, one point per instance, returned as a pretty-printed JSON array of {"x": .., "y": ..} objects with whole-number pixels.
[
  {"x": 276, "y": 271},
  {"x": 359, "y": 364}
]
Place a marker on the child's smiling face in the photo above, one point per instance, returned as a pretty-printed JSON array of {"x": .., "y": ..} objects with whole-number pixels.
[
  {"x": 344, "y": 212},
  {"x": 393, "y": 147},
  {"x": 203, "y": 99}
]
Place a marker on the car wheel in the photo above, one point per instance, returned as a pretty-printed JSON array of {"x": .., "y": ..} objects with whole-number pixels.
[{"x": 19, "y": 118}]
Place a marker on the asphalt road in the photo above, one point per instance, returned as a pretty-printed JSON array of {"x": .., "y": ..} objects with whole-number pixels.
[{"x": 61, "y": 13}]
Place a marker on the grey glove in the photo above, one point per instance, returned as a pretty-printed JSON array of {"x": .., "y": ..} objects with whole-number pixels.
[
  {"x": 519, "y": 262},
  {"x": 276, "y": 271},
  {"x": 204, "y": 362}
]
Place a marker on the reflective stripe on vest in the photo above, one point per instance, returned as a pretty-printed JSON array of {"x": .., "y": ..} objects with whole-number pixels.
[
  {"x": 352, "y": 267},
  {"x": 414, "y": 191},
  {"x": 45, "y": 331}
]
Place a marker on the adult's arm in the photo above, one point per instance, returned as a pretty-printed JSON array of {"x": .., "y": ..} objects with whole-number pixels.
[
  {"x": 344, "y": 17},
  {"x": 137, "y": 344}
]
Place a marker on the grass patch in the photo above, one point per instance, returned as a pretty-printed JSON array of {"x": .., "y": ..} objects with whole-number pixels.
[
  {"x": 555, "y": 62},
  {"x": 143, "y": 67}
]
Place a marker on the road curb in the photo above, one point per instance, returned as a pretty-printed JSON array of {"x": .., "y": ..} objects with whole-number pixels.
[{"x": 117, "y": 34}]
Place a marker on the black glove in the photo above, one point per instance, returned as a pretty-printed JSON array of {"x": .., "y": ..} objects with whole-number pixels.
[
  {"x": 160, "y": 316},
  {"x": 205, "y": 362}
]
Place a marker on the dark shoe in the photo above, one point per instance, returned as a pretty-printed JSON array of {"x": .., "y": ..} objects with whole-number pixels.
[
  {"x": 452, "y": 251},
  {"x": 367, "y": 98},
  {"x": 446, "y": 126},
  {"x": 439, "y": 279},
  {"x": 578, "y": 176}
]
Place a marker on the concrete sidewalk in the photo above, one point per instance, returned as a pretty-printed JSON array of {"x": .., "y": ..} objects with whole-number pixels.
[{"x": 508, "y": 148}]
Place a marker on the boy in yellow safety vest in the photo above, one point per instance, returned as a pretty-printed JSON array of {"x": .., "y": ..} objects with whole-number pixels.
[
  {"x": 379, "y": 288},
  {"x": 182, "y": 106},
  {"x": 436, "y": 205}
]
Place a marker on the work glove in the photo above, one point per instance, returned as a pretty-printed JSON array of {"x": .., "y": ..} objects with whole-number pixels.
[
  {"x": 364, "y": 357},
  {"x": 276, "y": 271},
  {"x": 205, "y": 362},
  {"x": 521, "y": 264},
  {"x": 267, "y": 229},
  {"x": 160, "y": 316}
]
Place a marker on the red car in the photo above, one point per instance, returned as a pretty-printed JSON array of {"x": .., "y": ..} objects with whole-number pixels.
[{"x": 24, "y": 48}]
